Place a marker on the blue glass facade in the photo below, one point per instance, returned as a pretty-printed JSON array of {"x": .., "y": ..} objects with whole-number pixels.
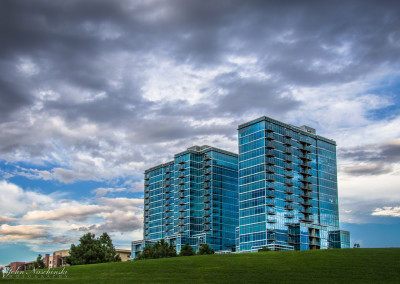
[
  {"x": 288, "y": 195},
  {"x": 280, "y": 192},
  {"x": 193, "y": 199}
]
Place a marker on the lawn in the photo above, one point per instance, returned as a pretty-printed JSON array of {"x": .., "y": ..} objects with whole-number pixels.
[{"x": 318, "y": 266}]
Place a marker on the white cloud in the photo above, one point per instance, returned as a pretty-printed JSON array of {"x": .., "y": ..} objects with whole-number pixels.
[{"x": 387, "y": 211}]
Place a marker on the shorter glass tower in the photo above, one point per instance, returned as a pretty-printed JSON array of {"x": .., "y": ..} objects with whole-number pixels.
[{"x": 193, "y": 199}]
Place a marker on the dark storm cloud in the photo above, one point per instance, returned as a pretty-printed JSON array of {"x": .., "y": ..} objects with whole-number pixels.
[
  {"x": 93, "y": 56},
  {"x": 375, "y": 159}
]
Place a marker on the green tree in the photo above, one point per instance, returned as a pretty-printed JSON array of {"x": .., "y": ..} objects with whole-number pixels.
[
  {"x": 187, "y": 250},
  {"x": 160, "y": 249},
  {"x": 205, "y": 249},
  {"x": 91, "y": 250},
  {"x": 39, "y": 263}
]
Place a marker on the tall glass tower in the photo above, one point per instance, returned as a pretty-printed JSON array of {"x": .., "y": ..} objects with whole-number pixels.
[
  {"x": 193, "y": 199},
  {"x": 288, "y": 198}
]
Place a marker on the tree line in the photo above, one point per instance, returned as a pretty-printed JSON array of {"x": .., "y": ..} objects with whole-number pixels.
[{"x": 161, "y": 249}]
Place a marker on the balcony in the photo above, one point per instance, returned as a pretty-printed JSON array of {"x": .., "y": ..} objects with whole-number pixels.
[
  {"x": 271, "y": 237},
  {"x": 146, "y": 177},
  {"x": 167, "y": 190},
  {"x": 270, "y": 169},
  {"x": 168, "y": 216},
  {"x": 207, "y": 171},
  {"x": 306, "y": 204},
  {"x": 181, "y": 209},
  {"x": 305, "y": 172},
  {"x": 207, "y": 199},
  {"x": 306, "y": 212},
  {"x": 181, "y": 182},
  {"x": 305, "y": 140},
  {"x": 206, "y": 185},
  {"x": 288, "y": 134},
  {"x": 167, "y": 197},
  {"x": 146, "y": 182},
  {"x": 147, "y": 195},
  {"x": 270, "y": 161},
  {"x": 271, "y": 219},
  {"x": 288, "y": 167},
  {"x": 306, "y": 195},
  {"x": 167, "y": 183},
  {"x": 181, "y": 195},
  {"x": 271, "y": 211},
  {"x": 167, "y": 169},
  {"x": 288, "y": 174},
  {"x": 181, "y": 162},
  {"x": 181, "y": 175},
  {"x": 146, "y": 202},
  {"x": 207, "y": 214},
  {"x": 206, "y": 220},
  {"x": 306, "y": 219},
  {"x": 269, "y": 128},
  {"x": 206, "y": 158},
  {"x": 288, "y": 182},
  {"x": 305, "y": 180},
  {"x": 306, "y": 188},
  {"x": 168, "y": 203},
  {"x": 207, "y": 206},
  {"x": 181, "y": 168},
  {"x": 182, "y": 216},
  {"x": 270, "y": 194},
  {"x": 207, "y": 192},
  {"x": 289, "y": 198},
  {"x": 270, "y": 145},
  {"x": 270, "y": 178},
  {"x": 207, "y": 228},
  {"x": 269, "y": 136},
  {"x": 168, "y": 209},
  {"x": 289, "y": 207},
  {"x": 289, "y": 215},
  {"x": 305, "y": 166},
  {"x": 271, "y": 186},
  {"x": 270, "y": 154},
  {"x": 181, "y": 188},
  {"x": 288, "y": 142},
  {"x": 306, "y": 157},
  {"x": 207, "y": 178},
  {"x": 270, "y": 202},
  {"x": 181, "y": 202},
  {"x": 168, "y": 176},
  {"x": 288, "y": 151},
  {"x": 207, "y": 164},
  {"x": 288, "y": 159},
  {"x": 181, "y": 223},
  {"x": 289, "y": 190}
]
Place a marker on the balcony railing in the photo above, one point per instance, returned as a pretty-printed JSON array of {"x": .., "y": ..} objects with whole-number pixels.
[
  {"x": 270, "y": 161},
  {"x": 270, "y": 194},
  {"x": 270, "y": 169},
  {"x": 270, "y": 177},
  {"x": 206, "y": 158},
  {"x": 269, "y": 128},
  {"x": 207, "y": 199},
  {"x": 270, "y": 154},
  {"x": 207, "y": 192},
  {"x": 271, "y": 211},
  {"x": 269, "y": 136},
  {"x": 289, "y": 190},
  {"x": 271, "y": 219},
  {"x": 289, "y": 207},
  {"x": 270, "y": 145},
  {"x": 270, "y": 202}
]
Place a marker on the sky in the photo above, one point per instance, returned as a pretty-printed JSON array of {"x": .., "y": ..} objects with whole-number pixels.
[{"x": 94, "y": 92}]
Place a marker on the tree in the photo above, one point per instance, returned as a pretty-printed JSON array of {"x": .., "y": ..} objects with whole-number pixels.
[
  {"x": 264, "y": 249},
  {"x": 39, "y": 263},
  {"x": 160, "y": 249},
  {"x": 187, "y": 250},
  {"x": 205, "y": 249},
  {"x": 91, "y": 250}
]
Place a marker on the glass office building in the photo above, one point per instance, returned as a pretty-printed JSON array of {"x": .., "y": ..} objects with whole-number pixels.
[
  {"x": 192, "y": 199},
  {"x": 288, "y": 197}
]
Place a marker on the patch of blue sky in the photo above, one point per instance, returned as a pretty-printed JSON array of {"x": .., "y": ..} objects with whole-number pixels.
[{"x": 389, "y": 87}]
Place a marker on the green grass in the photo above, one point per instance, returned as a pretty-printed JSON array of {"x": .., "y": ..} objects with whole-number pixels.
[{"x": 318, "y": 266}]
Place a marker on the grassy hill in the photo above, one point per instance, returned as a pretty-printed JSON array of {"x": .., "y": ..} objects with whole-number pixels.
[{"x": 323, "y": 266}]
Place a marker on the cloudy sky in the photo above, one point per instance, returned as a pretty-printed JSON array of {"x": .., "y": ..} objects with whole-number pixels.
[{"x": 94, "y": 92}]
